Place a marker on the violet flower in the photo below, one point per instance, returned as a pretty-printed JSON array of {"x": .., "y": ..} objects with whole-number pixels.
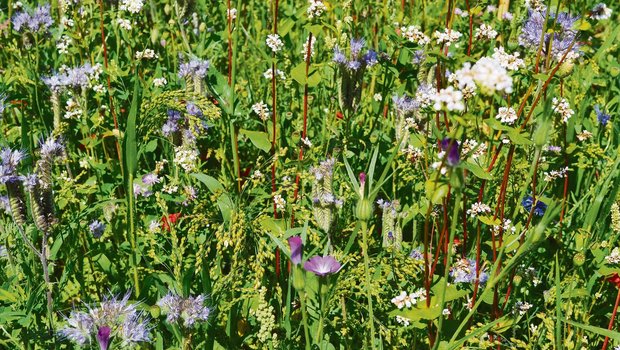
[
  {"x": 452, "y": 149},
  {"x": 602, "y": 117},
  {"x": 322, "y": 265},
  {"x": 103, "y": 337},
  {"x": 539, "y": 208},
  {"x": 296, "y": 249}
]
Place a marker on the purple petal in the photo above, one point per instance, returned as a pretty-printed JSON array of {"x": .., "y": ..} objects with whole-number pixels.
[
  {"x": 322, "y": 265},
  {"x": 103, "y": 337},
  {"x": 296, "y": 249}
]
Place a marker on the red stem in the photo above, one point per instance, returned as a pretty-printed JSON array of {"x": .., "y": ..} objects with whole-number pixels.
[{"x": 611, "y": 321}]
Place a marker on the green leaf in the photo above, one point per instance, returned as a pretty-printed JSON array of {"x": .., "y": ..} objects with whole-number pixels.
[
  {"x": 598, "y": 330},
  {"x": 298, "y": 73},
  {"x": 131, "y": 147},
  {"x": 477, "y": 170},
  {"x": 519, "y": 138},
  {"x": 259, "y": 139}
]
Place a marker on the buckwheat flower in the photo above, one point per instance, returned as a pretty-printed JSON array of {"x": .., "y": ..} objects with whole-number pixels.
[
  {"x": 539, "y": 207},
  {"x": 191, "y": 309},
  {"x": 124, "y": 23},
  {"x": 507, "y": 226},
  {"x": 296, "y": 246},
  {"x": 425, "y": 95},
  {"x": 555, "y": 174},
  {"x": 600, "y": 11},
  {"x": 146, "y": 54},
  {"x": 274, "y": 43},
  {"x": 448, "y": 37},
  {"x": 269, "y": 74},
  {"x": 414, "y": 35},
  {"x": 478, "y": 208},
  {"x": 315, "y": 8},
  {"x": 231, "y": 14},
  {"x": 186, "y": 158},
  {"x": 306, "y": 142},
  {"x": 195, "y": 68},
  {"x": 522, "y": 307},
  {"x": 63, "y": 44},
  {"x": 485, "y": 31},
  {"x": 133, "y": 6},
  {"x": 159, "y": 82},
  {"x": 506, "y": 115},
  {"x": 562, "y": 107},
  {"x": 487, "y": 73},
  {"x": 261, "y": 109},
  {"x": 464, "y": 271},
  {"x": 322, "y": 265},
  {"x": 96, "y": 228},
  {"x": 304, "y": 51},
  {"x": 448, "y": 98},
  {"x": 509, "y": 61},
  {"x": 584, "y": 135},
  {"x": 257, "y": 175},
  {"x": 279, "y": 201},
  {"x": 601, "y": 116},
  {"x": 402, "y": 320},
  {"x": 614, "y": 257}
]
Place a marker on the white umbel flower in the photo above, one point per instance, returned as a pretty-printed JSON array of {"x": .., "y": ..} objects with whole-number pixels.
[
  {"x": 506, "y": 115},
  {"x": 449, "y": 98},
  {"x": 274, "y": 42},
  {"x": 485, "y": 32},
  {"x": 133, "y": 6},
  {"x": 562, "y": 107},
  {"x": 508, "y": 61},
  {"x": 414, "y": 35}
]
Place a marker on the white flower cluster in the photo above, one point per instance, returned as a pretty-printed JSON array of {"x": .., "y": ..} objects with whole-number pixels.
[
  {"x": 522, "y": 306},
  {"x": 262, "y": 110},
  {"x": 63, "y": 44},
  {"x": 413, "y": 153},
  {"x": 562, "y": 107},
  {"x": 269, "y": 74},
  {"x": 614, "y": 257},
  {"x": 415, "y": 35},
  {"x": 279, "y": 201},
  {"x": 305, "y": 49},
  {"x": 424, "y": 96},
  {"x": 485, "y": 31},
  {"x": 584, "y": 135},
  {"x": 508, "y": 61},
  {"x": 72, "y": 109},
  {"x": 124, "y": 23},
  {"x": 146, "y": 54},
  {"x": 555, "y": 174},
  {"x": 315, "y": 8},
  {"x": 408, "y": 300},
  {"x": 488, "y": 73},
  {"x": 448, "y": 36},
  {"x": 231, "y": 14},
  {"x": 274, "y": 42},
  {"x": 402, "y": 320},
  {"x": 186, "y": 158},
  {"x": 506, "y": 227},
  {"x": 478, "y": 208},
  {"x": 471, "y": 145},
  {"x": 506, "y": 115},
  {"x": 601, "y": 11},
  {"x": 159, "y": 82},
  {"x": 450, "y": 98},
  {"x": 133, "y": 6}
]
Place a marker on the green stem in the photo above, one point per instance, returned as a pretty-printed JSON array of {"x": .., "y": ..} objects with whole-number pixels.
[
  {"x": 304, "y": 317},
  {"x": 132, "y": 233},
  {"x": 367, "y": 276}
]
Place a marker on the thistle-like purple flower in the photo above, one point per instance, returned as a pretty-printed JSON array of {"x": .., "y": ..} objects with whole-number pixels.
[
  {"x": 97, "y": 228},
  {"x": 194, "y": 110},
  {"x": 36, "y": 20},
  {"x": 563, "y": 34},
  {"x": 539, "y": 208},
  {"x": 195, "y": 68},
  {"x": 103, "y": 337},
  {"x": 405, "y": 104},
  {"x": 453, "y": 151},
  {"x": 464, "y": 271},
  {"x": 602, "y": 117},
  {"x": 296, "y": 249},
  {"x": 322, "y": 265},
  {"x": 9, "y": 161},
  {"x": 150, "y": 179},
  {"x": 191, "y": 309}
]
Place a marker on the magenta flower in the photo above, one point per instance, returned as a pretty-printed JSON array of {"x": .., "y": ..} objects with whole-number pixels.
[
  {"x": 296, "y": 249},
  {"x": 103, "y": 337},
  {"x": 322, "y": 265}
]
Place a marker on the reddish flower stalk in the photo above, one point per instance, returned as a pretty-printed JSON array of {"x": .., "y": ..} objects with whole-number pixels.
[
  {"x": 613, "y": 314},
  {"x": 273, "y": 122}
]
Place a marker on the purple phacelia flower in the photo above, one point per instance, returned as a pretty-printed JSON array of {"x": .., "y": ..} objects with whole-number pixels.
[
  {"x": 339, "y": 56},
  {"x": 194, "y": 68},
  {"x": 96, "y": 228},
  {"x": 36, "y": 20},
  {"x": 356, "y": 46},
  {"x": 465, "y": 270},
  {"x": 562, "y": 37},
  {"x": 602, "y": 117},
  {"x": 192, "y": 109},
  {"x": 150, "y": 179},
  {"x": 405, "y": 104},
  {"x": 190, "y": 309}
]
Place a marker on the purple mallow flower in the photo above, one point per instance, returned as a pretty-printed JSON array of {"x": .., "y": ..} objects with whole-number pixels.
[
  {"x": 452, "y": 149},
  {"x": 539, "y": 208},
  {"x": 322, "y": 265},
  {"x": 96, "y": 228},
  {"x": 103, "y": 337},
  {"x": 602, "y": 117},
  {"x": 296, "y": 249}
]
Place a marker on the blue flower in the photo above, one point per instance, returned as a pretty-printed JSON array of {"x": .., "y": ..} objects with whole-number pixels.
[
  {"x": 602, "y": 117},
  {"x": 97, "y": 228},
  {"x": 539, "y": 208},
  {"x": 563, "y": 34}
]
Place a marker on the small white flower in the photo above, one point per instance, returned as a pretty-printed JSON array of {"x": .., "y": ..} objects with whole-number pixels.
[
  {"x": 562, "y": 107},
  {"x": 446, "y": 312},
  {"x": 133, "y": 6},
  {"x": 601, "y": 11},
  {"x": 614, "y": 257},
  {"x": 257, "y": 175},
  {"x": 159, "y": 82},
  {"x": 584, "y": 135},
  {"x": 261, "y": 109},
  {"x": 67, "y": 22},
  {"x": 154, "y": 226},
  {"x": 304, "y": 51},
  {"x": 269, "y": 74},
  {"x": 315, "y": 8},
  {"x": 124, "y": 23},
  {"x": 478, "y": 208},
  {"x": 450, "y": 98},
  {"x": 231, "y": 14},
  {"x": 274, "y": 42},
  {"x": 306, "y": 142},
  {"x": 506, "y": 115},
  {"x": 508, "y": 61},
  {"x": 146, "y": 54},
  {"x": 402, "y": 320},
  {"x": 63, "y": 44},
  {"x": 448, "y": 37},
  {"x": 414, "y": 35},
  {"x": 555, "y": 174},
  {"x": 279, "y": 201},
  {"x": 377, "y": 97},
  {"x": 485, "y": 32}
]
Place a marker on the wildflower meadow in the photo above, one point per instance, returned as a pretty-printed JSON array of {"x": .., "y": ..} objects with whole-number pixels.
[{"x": 309, "y": 174}]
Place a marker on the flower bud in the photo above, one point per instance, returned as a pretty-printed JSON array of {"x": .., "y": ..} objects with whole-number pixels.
[{"x": 364, "y": 209}]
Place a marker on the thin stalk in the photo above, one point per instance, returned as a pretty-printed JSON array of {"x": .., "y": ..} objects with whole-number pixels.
[
  {"x": 611, "y": 321},
  {"x": 304, "y": 318},
  {"x": 274, "y": 120},
  {"x": 367, "y": 276}
]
